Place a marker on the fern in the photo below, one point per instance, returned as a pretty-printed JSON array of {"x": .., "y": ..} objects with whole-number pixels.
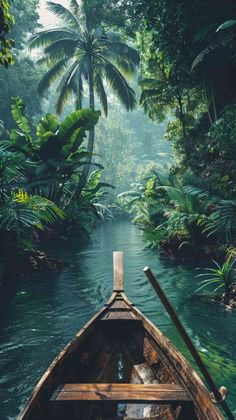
[{"x": 222, "y": 221}]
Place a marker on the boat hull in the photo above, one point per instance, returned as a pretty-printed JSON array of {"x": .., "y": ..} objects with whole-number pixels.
[{"x": 119, "y": 346}]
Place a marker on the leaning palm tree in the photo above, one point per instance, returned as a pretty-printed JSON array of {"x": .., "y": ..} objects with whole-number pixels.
[{"x": 83, "y": 53}]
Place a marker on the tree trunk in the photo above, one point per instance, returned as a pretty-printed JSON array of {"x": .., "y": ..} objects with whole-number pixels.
[
  {"x": 213, "y": 102},
  {"x": 182, "y": 116},
  {"x": 91, "y": 136}
]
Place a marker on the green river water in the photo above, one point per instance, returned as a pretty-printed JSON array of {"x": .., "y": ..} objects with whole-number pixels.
[{"x": 46, "y": 310}]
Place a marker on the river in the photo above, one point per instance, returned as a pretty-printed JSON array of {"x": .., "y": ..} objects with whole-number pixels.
[{"x": 46, "y": 310}]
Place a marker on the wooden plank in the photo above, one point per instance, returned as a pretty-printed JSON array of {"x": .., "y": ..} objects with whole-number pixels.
[
  {"x": 145, "y": 373},
  {"x": 119, "y": 304},
  {"x": 118, "y": 315},
  {"x": 118, "y": 271},
  {"x": 129, "y": 393}
]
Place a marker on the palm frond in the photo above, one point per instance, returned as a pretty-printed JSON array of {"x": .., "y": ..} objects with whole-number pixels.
[
  {"x": 61, "y": 48},
  {"x": 99, "y": 87},
  {"x": 195, "y": 191},
  {"x": 67, "y": 87},
  {"x": 23, "y": 211},
  {"x": 66, "y": 91},
  {"x": 51, "y": 76},
  {"x": 205, "y": 34},
  {"x": 204, "y": 53},
  {"x": 45, "y": 210},
  {"x": 175, "y": 194},
  {"x": 222, "y": 221},
  {"x": 127, "y": 67},
  {"x": 120, "y": 86},
  {"x": 123, "y": 51},
  {"x": 44, "y": 38},
  {"x": 75, "y": 6},
  {"x": 62, "y": 12}
]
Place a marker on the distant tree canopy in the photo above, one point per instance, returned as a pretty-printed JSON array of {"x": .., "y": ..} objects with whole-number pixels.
[
  {"x": 26, "y": 16},
  {"x": 6, "y": 44}
]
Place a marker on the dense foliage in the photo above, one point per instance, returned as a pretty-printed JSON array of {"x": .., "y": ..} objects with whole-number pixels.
[
  {"x": 187, "y": 71},
  {"x": 39, "y": 174},
  {"x": 21, "y": 79},
  {"x": 186, "y": 85},
  {"x": 6, "y": 44}
]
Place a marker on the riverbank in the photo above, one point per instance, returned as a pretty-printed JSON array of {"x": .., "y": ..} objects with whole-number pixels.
[{"x": 28, "y": 262}]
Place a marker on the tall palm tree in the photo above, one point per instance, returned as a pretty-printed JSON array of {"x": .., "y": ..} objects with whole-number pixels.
[{"x": 83, "y": 53}]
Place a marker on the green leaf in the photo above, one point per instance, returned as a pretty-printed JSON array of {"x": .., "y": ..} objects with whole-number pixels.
[
  {"x": 73, "y": 128},
  {"x": 226, "y": 25},
  {"x": 94, "y": 179},
  {"x": 49, "y": 123},
  {"x": 17, "y": 109}
]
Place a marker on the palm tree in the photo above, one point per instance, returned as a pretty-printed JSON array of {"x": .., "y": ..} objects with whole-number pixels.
[{"x": 83, "y": 53}]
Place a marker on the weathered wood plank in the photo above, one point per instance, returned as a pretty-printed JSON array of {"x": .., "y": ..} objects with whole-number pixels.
[
  {"x": 161, "y": 393},
  {"x": 118, "y": 271},
  {"x": 120, "y": 304},
  {"x": 119, "y": 315}
]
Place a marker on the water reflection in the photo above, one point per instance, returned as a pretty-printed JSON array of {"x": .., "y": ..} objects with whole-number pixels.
[{"x": 46, "y": 311}]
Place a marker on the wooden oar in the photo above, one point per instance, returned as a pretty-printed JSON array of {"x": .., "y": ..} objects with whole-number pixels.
[{"x": 218, "y": 394}]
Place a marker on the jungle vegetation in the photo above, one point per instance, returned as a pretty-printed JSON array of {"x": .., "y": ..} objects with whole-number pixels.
[
  {"x": 190, "y": 209},
  {"x": 61, "y": 149}
]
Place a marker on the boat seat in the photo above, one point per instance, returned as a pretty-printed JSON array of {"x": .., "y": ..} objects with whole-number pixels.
[{"x": 127, "y": 393}]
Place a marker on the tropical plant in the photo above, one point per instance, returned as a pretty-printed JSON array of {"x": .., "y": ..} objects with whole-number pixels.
[
  {"x": 21, "y": 214},
  {"x": 83, "y": 52},
  {"x": 83, "y": 214},
  {"x": 51, "y": 161},
  {"x": 93, "y": 196},
  {"x": 221, "y": 222},
  {"x": 18, "y": 209},
  {"x": 220, "y": 276},
  {"x": 56, "y": 153},
  {"x": 147, "y": 206}
]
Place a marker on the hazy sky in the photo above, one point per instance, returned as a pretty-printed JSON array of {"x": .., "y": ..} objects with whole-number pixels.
[{"x": 47, "y": 18}]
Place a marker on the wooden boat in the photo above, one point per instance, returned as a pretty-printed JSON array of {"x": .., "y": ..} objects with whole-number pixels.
[{"x": 120, "y": 366}]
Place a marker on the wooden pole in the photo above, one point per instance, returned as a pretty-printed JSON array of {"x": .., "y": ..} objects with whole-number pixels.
[
  {"x": 118, "y": 258},
  {"x": 217, "y": 394}
]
